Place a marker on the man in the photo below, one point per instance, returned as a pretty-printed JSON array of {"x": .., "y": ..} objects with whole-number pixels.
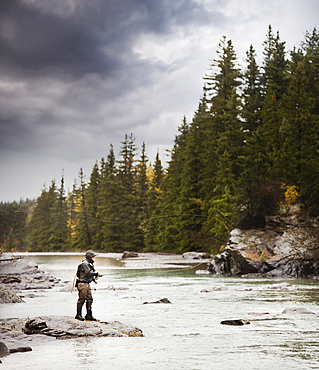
[{"x": 86, "y": 274}]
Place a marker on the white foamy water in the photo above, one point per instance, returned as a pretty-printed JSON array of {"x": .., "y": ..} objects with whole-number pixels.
[{"x": 186, "y": 334}]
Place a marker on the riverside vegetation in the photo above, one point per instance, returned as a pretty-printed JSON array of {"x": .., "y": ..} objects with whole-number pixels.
[{"x": 252, "y": 146}]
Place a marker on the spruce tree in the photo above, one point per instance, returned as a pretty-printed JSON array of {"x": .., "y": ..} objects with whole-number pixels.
[
  {"x": 59, "y": 237},
  {"x": 81, "y": 235},
  {"x": 111, "y": 223}
]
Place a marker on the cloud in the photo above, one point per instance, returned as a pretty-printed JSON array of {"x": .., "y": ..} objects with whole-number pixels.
[{"x": 76, "y": 75}]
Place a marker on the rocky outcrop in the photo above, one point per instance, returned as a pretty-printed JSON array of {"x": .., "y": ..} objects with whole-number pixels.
[
  {"x": 17, "y": 275},
  {"x": 64, "y": 327},
  {"x": 14, "y": 333},
  {"x": 287, "y": 246}
]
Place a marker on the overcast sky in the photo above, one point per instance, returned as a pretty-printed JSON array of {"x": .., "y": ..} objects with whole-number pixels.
[{"x": 77, "y": 75}]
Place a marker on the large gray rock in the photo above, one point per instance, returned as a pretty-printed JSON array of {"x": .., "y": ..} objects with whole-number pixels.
[
  {"x": 64, "y": 327},
  {"x": 287, "y": 246}
]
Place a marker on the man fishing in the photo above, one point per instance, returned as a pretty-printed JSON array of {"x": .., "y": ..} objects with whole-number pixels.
[{"x": 85, "y": 275}]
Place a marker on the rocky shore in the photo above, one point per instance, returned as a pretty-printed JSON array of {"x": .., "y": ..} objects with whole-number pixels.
[
  {"x": 17, "y": 275},
  {"x": 18, "y": 335},
  {"x": 287, "y": 247}
]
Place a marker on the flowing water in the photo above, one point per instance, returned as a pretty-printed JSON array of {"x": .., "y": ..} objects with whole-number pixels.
[{"x": 186, "y": 334}]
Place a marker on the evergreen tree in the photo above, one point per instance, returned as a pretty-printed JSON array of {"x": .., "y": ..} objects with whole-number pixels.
[
  {"x": 224, "y": 140},
  {"x": 168, "y": 207},
  {"x": 92, "y": 205},
  {"x": 142, "y": 195},
  {"x": 59, "y": 237},
  {"x": 155, "y": 177},
  {"x": 81, "y": 236},
  {"x": 40, "y": 226},
  {"x": 110, "y": 215},
  {"x": 252, "y": 95},
  {"x": 131, "y": 238}
]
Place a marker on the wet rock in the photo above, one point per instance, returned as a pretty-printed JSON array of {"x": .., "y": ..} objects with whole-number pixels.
[
  {"x": 239, "y": 322},
  {"x": 4, "y": 350},
  {"x": 297, "y": 311},
  {"x": 9, "y": 297},
  {"x": 19, "y": 274},
  {"x": 16, "y": 346},
  {"x": 64, "y": 327},
  {"x": 129, "y": 255},
  {"x": 163, "y": 300}
]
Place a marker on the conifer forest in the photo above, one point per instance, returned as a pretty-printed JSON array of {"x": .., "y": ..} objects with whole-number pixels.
[{"x": 252, "y": 144}]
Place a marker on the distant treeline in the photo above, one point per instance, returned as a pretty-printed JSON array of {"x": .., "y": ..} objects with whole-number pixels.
[{"x": 253, "y": 143}]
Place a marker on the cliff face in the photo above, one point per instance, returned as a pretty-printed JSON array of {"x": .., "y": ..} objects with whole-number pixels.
[{"x": 287, "y": 246}]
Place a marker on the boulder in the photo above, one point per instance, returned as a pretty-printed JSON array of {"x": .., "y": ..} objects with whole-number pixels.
[
  {"x": 129, "y": 255},
  {"x": 286, "y": 247}
]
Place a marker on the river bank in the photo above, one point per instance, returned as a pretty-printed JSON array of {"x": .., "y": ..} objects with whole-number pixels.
[{"x": 186, "y": 333}]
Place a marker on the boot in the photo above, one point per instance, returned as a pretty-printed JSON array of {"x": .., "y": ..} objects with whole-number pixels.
[
  {"x": 79, "y": 315},
  {"x": 89, "y": 316}
]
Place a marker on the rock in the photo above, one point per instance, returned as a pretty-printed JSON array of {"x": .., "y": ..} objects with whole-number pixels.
[
  {"x": 4, "y": 350},
  {"x": 286, "y": 247},
  {"x": 16, "y": 346},
  {"x": 129, "y": 255},
  {"x": 19, "y": 274},
  {"x": 163, "y": 300},
  {"x": 297, "y": 311},
  {"x": 9, "y": 297},
  {"x": 235, "y": 322},
  {"x": 195, "y": 256},
  {"x": 64, "y": 327}
]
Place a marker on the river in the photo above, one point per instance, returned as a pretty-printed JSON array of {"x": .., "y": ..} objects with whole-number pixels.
[{"x": 186, "y": 334}]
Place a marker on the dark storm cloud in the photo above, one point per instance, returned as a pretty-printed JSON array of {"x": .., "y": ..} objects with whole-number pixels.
[
  {"x": 61, "y": 60},
  {"x": 86, "y": 37}
]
